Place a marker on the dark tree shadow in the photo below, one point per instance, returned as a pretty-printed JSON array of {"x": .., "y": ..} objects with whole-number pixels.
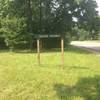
[
  {"x": 87, "y": 88},
  {"x": 25, "y": 51},
  {"x": 70, "y": 49}
]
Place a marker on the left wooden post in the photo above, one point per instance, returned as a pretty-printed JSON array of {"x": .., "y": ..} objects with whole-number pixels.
[
  {"x": 62, "y": 51},
  {"x": 38, "y": 51}
]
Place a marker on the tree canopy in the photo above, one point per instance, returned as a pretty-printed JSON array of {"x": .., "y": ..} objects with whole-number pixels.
[{"x": 21, "y": 19}]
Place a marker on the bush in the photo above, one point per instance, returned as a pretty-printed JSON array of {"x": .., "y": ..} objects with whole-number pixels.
[{"x": 10, "y": 29}]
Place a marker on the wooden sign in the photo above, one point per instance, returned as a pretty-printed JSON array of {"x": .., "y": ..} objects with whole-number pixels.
[
  {"x": 38, "y": 37},
  {"x": 47, "y": 36}
]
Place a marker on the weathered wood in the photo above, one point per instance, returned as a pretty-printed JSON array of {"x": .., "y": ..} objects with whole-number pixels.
[
  {"x": 38, "y": 51},
  {"x": 39, "y": 46},
  {"x": 62, "y": 51},
  {"x": 47, "y": 36}
]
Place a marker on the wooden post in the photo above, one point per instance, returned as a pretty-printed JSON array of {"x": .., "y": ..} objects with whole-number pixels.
[
  {"x": 38, "y": 51},
  {"x": 62, "y": 51}
]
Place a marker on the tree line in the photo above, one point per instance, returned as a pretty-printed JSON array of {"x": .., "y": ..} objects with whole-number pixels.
[{"x": 20, "y": 20}]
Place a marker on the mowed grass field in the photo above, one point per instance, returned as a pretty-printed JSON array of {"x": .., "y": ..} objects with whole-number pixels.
[{"x": 22, "y": 79}]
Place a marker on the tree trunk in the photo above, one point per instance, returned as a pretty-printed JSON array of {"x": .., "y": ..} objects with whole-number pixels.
[{"x": 29, "y": 20}]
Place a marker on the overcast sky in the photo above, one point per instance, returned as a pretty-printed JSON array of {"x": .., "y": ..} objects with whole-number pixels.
[{"x": 98, "y": 2}]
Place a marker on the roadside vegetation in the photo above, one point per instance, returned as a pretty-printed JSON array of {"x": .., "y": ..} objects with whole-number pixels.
[{"x": 21, "y": 20}]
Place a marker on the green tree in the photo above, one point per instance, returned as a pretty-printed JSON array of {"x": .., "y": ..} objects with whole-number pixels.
[{"x": 21, "y": 19}]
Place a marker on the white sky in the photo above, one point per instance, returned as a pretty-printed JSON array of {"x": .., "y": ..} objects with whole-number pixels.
[{"x": 98, "y": 2}]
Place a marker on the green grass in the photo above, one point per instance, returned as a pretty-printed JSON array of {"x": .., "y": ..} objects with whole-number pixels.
[{"x": 22, "y": 79}]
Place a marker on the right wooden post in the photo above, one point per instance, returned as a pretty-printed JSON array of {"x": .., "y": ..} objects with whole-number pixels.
[
  {"x": 38, "y": 51},
  {"x": 62, "y": 50}
]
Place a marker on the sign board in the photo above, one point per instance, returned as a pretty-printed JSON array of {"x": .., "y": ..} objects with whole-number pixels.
[
  {"x": 38, "y": 37},
  {"x": 47, "y": 36}
]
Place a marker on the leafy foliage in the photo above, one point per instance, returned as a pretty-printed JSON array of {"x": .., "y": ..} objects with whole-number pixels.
[{"x": 21, "y": 19}]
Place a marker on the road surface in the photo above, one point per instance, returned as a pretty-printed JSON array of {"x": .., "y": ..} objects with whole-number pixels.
[{"x": 91, "y": 46}]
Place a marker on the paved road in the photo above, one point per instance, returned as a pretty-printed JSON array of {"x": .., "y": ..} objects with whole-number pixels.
[{"x": 92, "y": 46}]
